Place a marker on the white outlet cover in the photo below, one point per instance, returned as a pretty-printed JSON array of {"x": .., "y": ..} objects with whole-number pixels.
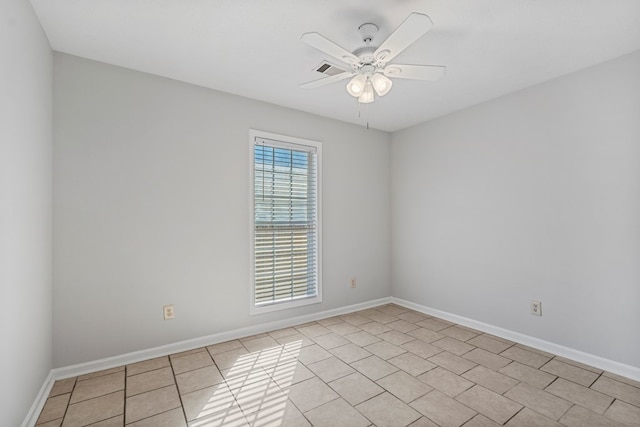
[
  {"x": 536, "y": 308},
  {"x": 167, "y": 312}
]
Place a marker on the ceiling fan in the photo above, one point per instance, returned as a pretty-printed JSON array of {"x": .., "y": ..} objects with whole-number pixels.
[{"x": 370, "y": 69}]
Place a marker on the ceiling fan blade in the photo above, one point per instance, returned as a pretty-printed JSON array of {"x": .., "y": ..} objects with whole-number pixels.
[
  {"x": 330, "y": 48},
  {"x": 327, "y": 80},
  {"x": 417, "y": 72},
  {"x": 415, "y": 26}
]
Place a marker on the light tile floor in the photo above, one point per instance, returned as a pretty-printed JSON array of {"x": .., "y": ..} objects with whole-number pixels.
[{"x": 386, "y": 366}]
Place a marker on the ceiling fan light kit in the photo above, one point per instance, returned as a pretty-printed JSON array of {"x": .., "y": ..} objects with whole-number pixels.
[{"x": 370, "y": 70}]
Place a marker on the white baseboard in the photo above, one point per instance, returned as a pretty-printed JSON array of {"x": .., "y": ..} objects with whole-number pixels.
[
  {"x": 137, "y": 356},
  {"x": 38, "y": 403},
  {"x": 612, "y": 366}
]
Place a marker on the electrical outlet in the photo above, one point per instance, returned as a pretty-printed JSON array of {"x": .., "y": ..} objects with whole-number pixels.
[
  {"x": 536, "y": 308},
  {"x": 353, "y": 282},
  {"x": 168, "y": 312}
]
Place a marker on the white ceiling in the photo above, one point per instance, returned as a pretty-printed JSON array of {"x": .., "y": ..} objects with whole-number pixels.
[{"x": 252, "y": 48}]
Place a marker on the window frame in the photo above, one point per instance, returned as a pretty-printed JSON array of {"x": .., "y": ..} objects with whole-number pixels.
[{"x": 287, "y": 142}]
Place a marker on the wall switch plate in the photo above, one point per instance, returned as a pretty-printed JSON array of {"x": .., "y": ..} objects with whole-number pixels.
[
  {"x": 536, "y": 308},
  {"x": 168, "y": 312},
  {"x": 353, "y": 282}
]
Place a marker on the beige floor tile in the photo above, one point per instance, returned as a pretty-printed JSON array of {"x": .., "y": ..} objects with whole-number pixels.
[
  {"x": 285, "y": 332},
  {"x": 423, "y": 422},
  {"x": 540, "y": 401},
  {"x": 98, "y": 386},
  {"x": 421, "y": 348},
  {"x": 386, "y": 410},
  {"x": 188, "y": 352},
  {"x": 297, "y": 340},
  {"x": 356, "y": 388},
  {"x": 434, "y": 324},
  {"x": 375, "y": 328},
  {"x": 350, "y": 353},
  {"x": 382, "y": 318},
  {"x": 329, "y": 321},
  {"x": 392, "y": 309},
  {"x": 344, "y": 328},
  {"x": 62, "y": 387},
  {"x": 459, "y": 333},
  {"x": 622, "y": 391},
  {"x": 579, "y": 365},
  {"x": 172, "y": 418},
  {"x": 402, "y": 326},
  {"x": 336, "y": 413},
  {"x": 624, "y": 413},
  {"x": 529, "y": 418},
  {"x": 147, "y": 365},
  {"x": 330, "y": 340},
  {"x": 621, "y": 379},
  {"x": 385, "y": 350},
  {"x": 362, "y": 338},
  {"x": 213, "y": 402},
  {"x": 148, "y": 381},
  {"x": 442, "y": 409},
  {"x": 54, "y": 408},
  {"x": 52, "y": 423},
  {"x": 482, "y": 421},
  {"x": 489, "y": 343},
  {"x": 259, "y": 344},
  {"x": 374, "y": 368},
  {"x": 535, "y": 350},
  {"x": 404, "y": 386},
  {"x": 117, "y": 421},
  {"x": 310, "y": 394},
  {"x": 445, "y": 381},
  {"x": 225, "y": 360},
  {"x": 412, "y": 316},
  {"x": 191, "y": 361},
  {"x": 453, "y": 345},
  {"x": 528, "y": 374},
  {"x": 230, "y": 417},
  {"x": 570, "y": 372},
  {"x": 412, "y": 364},
  {"x": 278, "y": 414},
  {"x": 100, "y": 373},
  {"x": 396, "y": 337},
  {"x": 578, "y": 416},
  {"x": 489, "y": 404},
  {"x": 426, "y": 334},
  {"x": 331, "y": 369},
  {"x": 311, "y": 354},
  {"x": 94, "y": 410},
  {"x": 259, "y": 396},
  {"x": 487, "y": 359},
  {"x": 526, "y": 357},
  {"x": 490, "y": 379},
  {"x": 287, "y": 374},
  {"x": 151, "y": 403},
  {"x": 313, "y": 331},
  {"x": 198, "y": 379},
  {"x": 454, "y": 363},
  {"x": 580, "y": 395}
]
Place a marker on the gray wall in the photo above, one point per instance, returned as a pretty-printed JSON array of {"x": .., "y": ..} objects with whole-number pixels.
[
  {"x": 535, "y": 195},
  {"x": 151, "y": 199},
  {"x": 25, "y": 209}
]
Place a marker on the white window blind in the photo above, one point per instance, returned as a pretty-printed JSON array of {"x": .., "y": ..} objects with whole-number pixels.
[{"x": 285, "y": 221}]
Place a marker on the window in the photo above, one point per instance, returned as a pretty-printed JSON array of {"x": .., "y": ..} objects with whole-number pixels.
[{"x": 285, "y": 222}]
